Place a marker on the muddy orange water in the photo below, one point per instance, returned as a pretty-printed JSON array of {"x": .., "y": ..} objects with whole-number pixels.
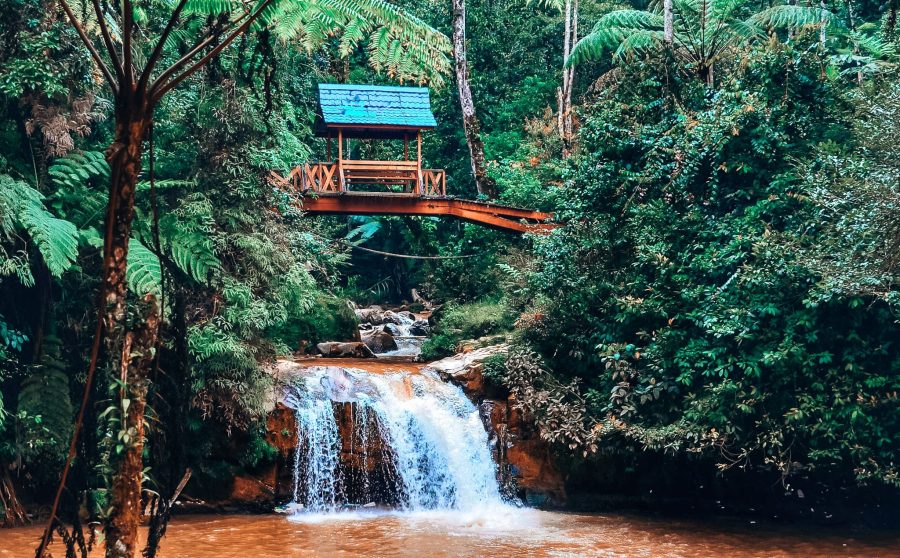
[
  {"x": 380, "y": 365},
  {"x": 505, "y": 533}
]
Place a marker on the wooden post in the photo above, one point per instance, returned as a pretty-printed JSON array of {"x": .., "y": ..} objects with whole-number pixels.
[
  {"x": 340, "y": 161},
  {"x": 419, "y": 161},
  {"x": 405, "y": 147}
]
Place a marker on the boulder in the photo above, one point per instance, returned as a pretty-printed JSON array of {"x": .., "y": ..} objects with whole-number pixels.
[
  {"x": 379, "y": 340},
  {"x": 465, "y": 369},
  {"x": 372, "y": 315},
  {"x": 281, "y": 429},
  {"x": 335, "y": 349},
  {"x": 390, "y": 317},
  {"x": 248, "y": 491},
  {"x": 420, "y": 328}
]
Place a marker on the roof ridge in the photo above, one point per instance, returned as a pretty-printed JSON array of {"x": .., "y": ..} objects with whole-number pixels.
[{"x": 368, "y": 86}]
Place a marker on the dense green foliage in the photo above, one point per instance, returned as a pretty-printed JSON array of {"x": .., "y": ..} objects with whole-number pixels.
[
  {"x": 466, "y": 321},
  {"x": 724, "y": 287}
]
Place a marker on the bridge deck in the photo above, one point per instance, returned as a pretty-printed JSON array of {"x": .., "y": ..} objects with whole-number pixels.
[
  {"x": 377, "y": 203},
  {"x": 326, "y": 190}
]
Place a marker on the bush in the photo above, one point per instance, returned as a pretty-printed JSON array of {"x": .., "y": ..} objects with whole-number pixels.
[
  {"x": 467, "y": 321},
  {"x": 330, "y": 319},
  {"x": 494, "y": 370}
]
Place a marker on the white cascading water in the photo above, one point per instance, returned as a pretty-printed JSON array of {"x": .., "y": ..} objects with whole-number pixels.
[
  {"x": 432, "y": 449},
  {"x": 408, "y": 345}
]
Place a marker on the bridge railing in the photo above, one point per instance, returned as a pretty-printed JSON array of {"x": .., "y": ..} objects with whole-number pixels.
[{"x": 333, "y": 177}]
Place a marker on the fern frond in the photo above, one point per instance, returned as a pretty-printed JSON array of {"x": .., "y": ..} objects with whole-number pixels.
[
  {"x": 793, "y": 17},
  {"x": 44, "y": 393},
  {"x": 56, "y": 239},
  {"x": 638, "y": 41},
  {"x": 364, "y": 232},
  {"x": 612, "y": 31},
  {"x": 166, "y": 184},
  {"x": 211, "y": 7},
  {"x": 398, "y": 42},
  {"x": 144, "y": 274},
  {"x": 78, "y": 167},
  {"x": 193, "y": 253}
]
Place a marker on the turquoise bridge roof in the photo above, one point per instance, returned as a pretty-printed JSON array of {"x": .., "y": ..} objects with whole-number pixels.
[{"x": 373, "y": 106}]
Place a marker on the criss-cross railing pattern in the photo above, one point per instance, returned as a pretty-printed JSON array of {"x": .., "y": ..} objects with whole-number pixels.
[{"x": 339, "y": 177}]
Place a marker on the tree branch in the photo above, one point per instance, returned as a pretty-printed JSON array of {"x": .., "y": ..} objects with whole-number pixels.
[
  {"x": 107, "y": 40},
  {"x": 214, "y": 52},
  {"x": 90, "y": 46},
  {"x": 127, "y": 24},
  {"x": 157, "y": 50},
  {"x": 157, "y": 83}
]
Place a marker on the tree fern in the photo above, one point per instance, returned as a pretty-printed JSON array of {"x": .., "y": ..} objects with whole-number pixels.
[
  {"x": 44, "y": 393},
  {"x": 704, "y": 30}
]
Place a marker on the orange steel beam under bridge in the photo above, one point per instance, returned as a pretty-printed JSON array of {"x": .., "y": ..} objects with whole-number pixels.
[{"x": 375, "y": 203}]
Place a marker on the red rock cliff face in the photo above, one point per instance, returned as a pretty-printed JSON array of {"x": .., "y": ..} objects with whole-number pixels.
[
  {"x": 526, "y": 465},
  {"x": 362, "y": 460},
  {"x": 281, "y": 432}
]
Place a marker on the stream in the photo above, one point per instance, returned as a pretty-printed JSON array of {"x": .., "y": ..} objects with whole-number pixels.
[
  {"x": 392, "y": 461},
  {"x": 489, "y": 533}
]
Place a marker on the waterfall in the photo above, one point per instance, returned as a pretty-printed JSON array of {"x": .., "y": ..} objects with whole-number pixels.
[
  {"x": 398, "y": 439},
  {"x": 408, "y": 344}
]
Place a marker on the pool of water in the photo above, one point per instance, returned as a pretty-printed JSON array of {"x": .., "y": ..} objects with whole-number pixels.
[{"x": 500, "y": 532}]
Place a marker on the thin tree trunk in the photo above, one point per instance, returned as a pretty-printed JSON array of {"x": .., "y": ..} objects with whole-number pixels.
[
  {"x": 13, "y": 512},
  {"x": 471, "y": 126},
  {"x": 891, "y": 25},
  {"x": 859, "y": 76},
  {"x": 668, "y": 23},
  {"x": 564, "y": 92}
]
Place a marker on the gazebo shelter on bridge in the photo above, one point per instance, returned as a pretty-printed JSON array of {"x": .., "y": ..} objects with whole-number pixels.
[
  {"x": 345, "y": 186},
  {"x": 373, "y": 112}
]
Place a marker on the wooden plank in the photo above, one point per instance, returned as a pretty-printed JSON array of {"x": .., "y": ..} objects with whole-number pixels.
[
  {"x": 342, "y": 184},
  {"x": 419, "y": 161},
  {"x": 356, "y": 163}
]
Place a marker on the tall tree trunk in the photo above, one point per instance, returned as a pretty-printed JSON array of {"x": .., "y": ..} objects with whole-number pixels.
[
  {"x": 564, "y": 92},
  {"x": 137, "y": 354},
  {"x": 132, "y": 350},
  {"x": 668, "y": 23},
  {"x": 891, "y": 25},
  {"x": 471, "y": 126}
]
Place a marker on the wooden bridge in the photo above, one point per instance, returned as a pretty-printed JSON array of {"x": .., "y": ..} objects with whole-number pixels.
[{"x": 386, "y": 187}]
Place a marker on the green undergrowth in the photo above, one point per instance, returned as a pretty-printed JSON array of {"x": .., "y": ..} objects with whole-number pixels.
[
  {"x": 459, "y": 322},
  {"x": 329, "y": 319}
]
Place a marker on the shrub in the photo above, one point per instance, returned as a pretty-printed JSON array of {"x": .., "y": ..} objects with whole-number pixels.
[
  {"x": 330, "y": 319},
  {"x": 467, "y": 321}
]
